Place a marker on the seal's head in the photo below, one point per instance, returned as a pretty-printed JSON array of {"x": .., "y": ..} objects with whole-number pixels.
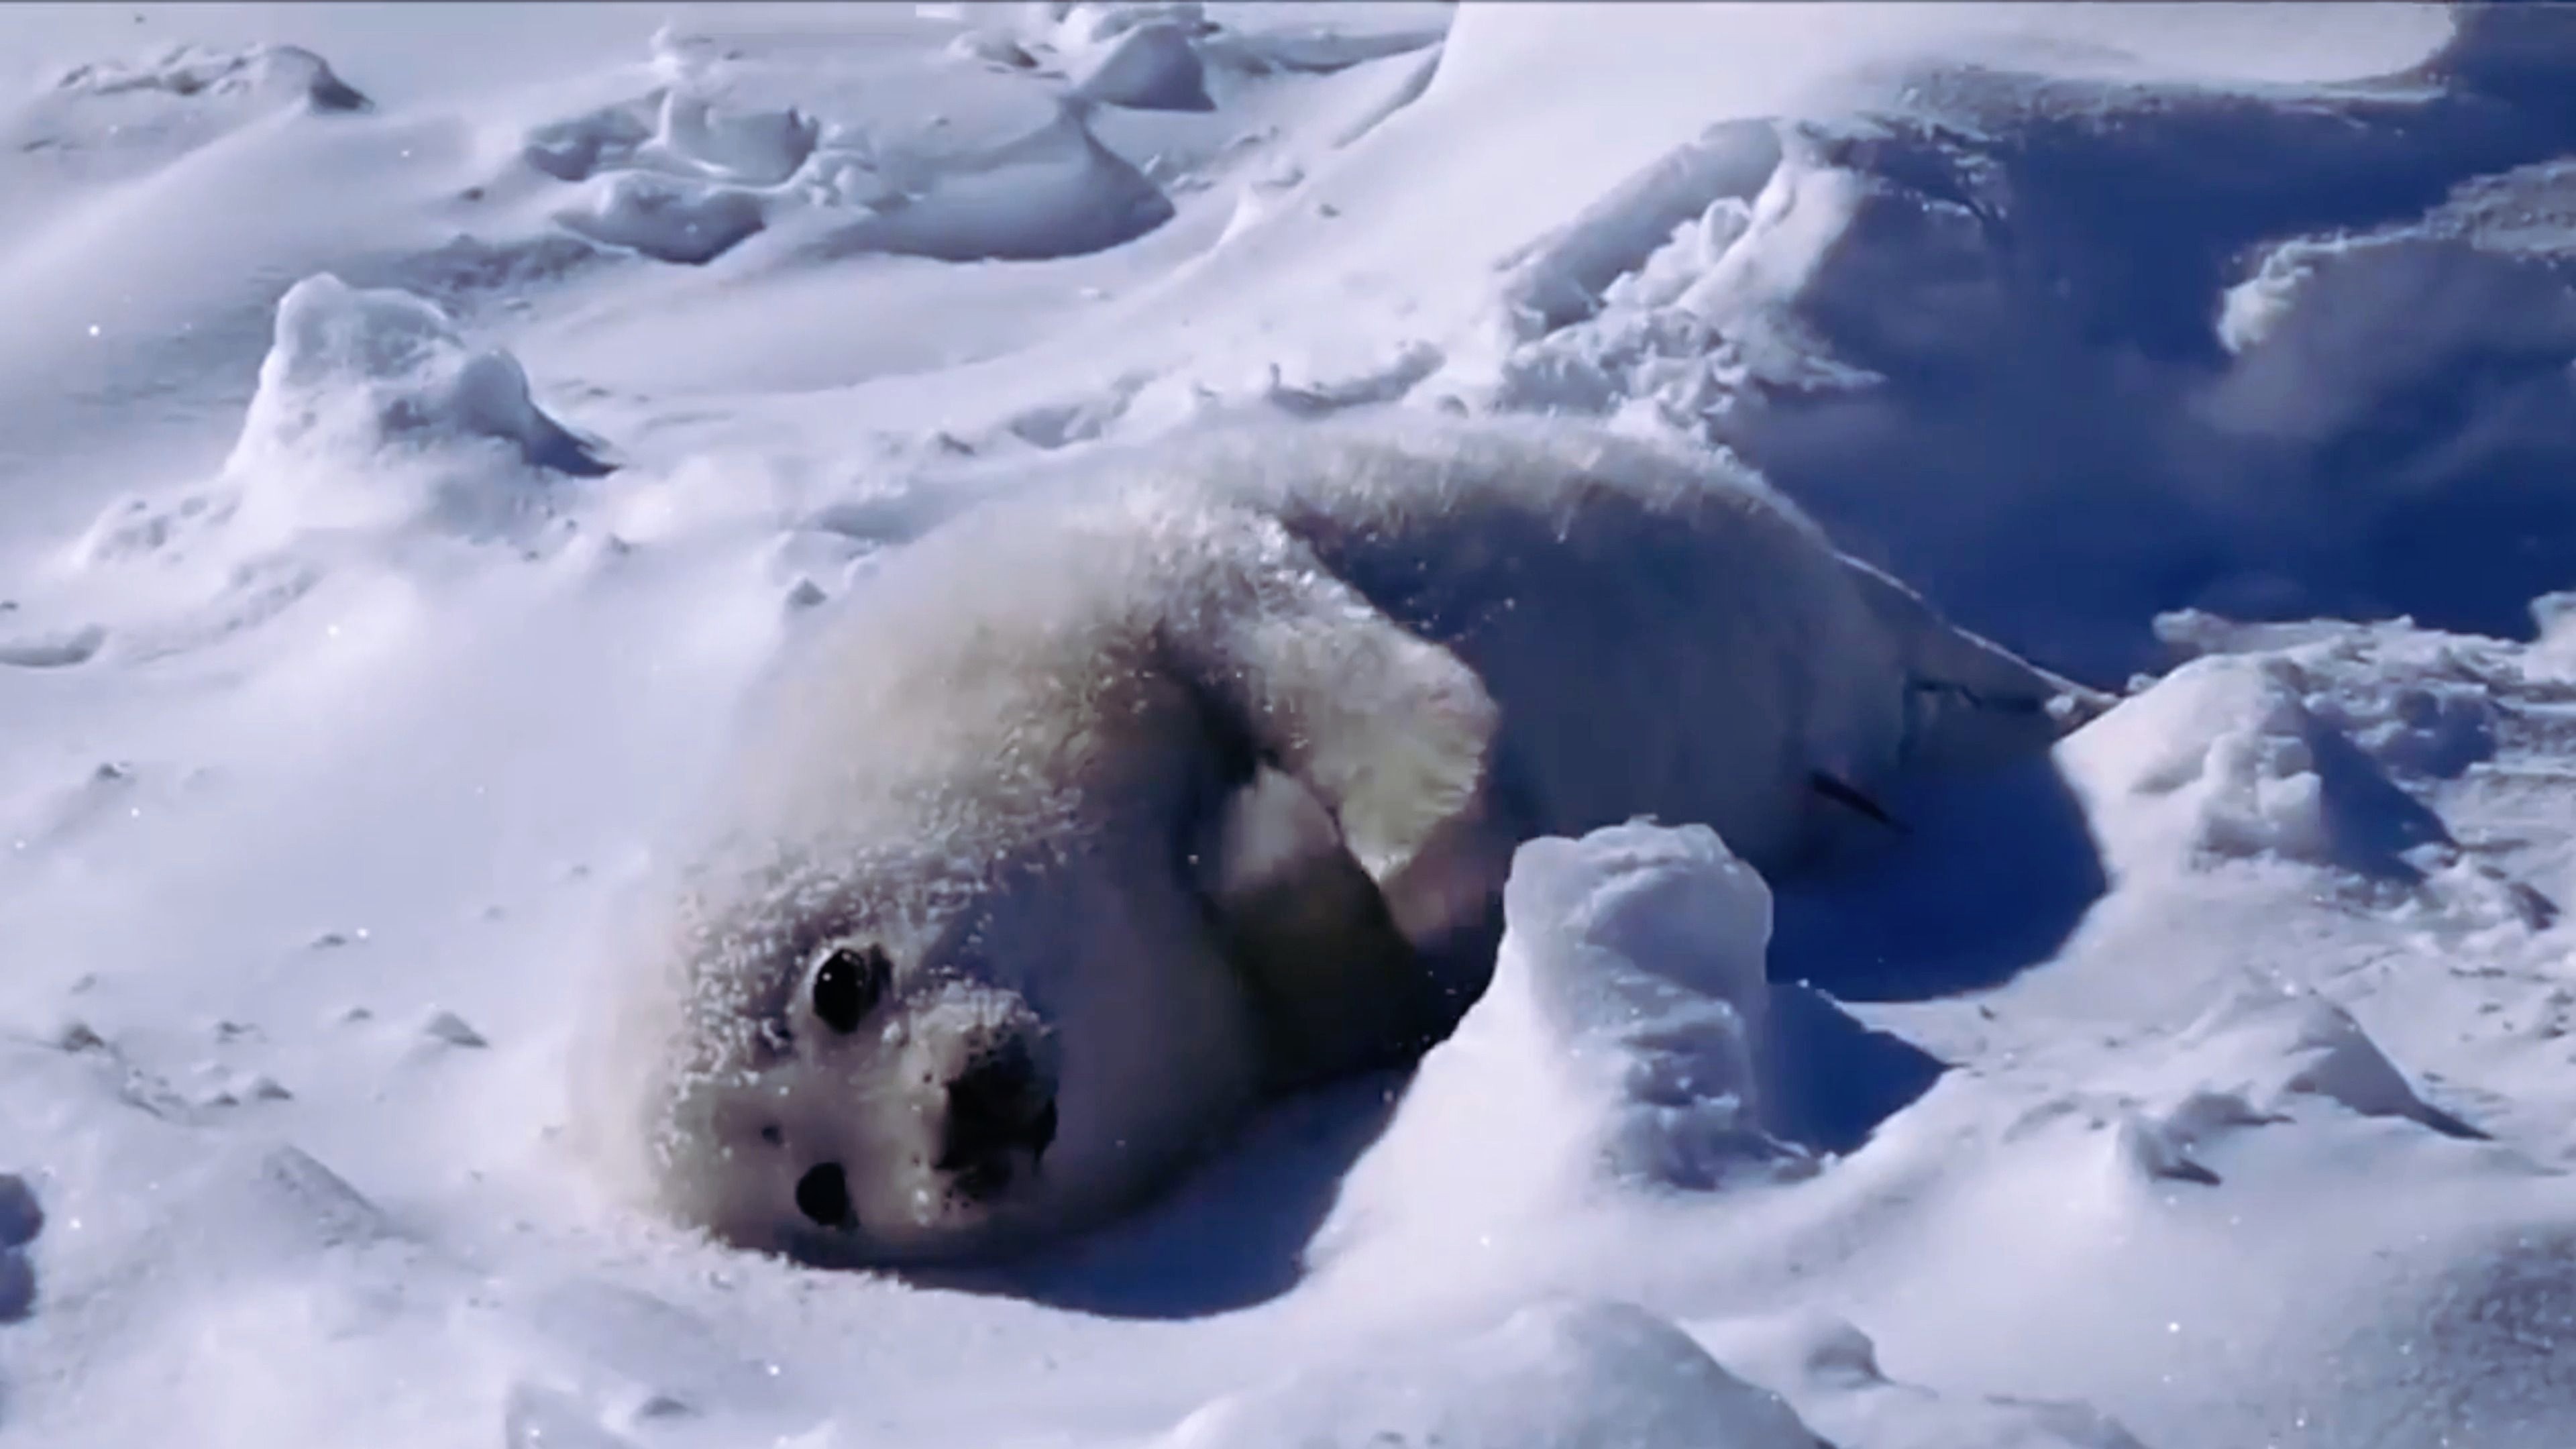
[
  {"x": 886, "y": 1072},
  {"x": 901, "y": 1111}
]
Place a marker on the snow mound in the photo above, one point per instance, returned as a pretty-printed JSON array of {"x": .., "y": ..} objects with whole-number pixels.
[
  {"x": 2384, "y": 475},
  {"x": 1911, "y": 304},
  {"x": 1568, "y": 1375},
  {"x": 117, "y": 119},
  {"x": 191, "y": 71},
  {"x": 676, "y": 175},
  {"x": 665, "y": 218},
  {"x": 673, "y": 131},
  {"x": 1148, "y": 68},
  {"x": 1641, "y": 949},
  {"x": 2225, "y": 759},
  {"x": 2251, "y": 1059},
  {"x": 1639, "y": 261},
  {"x": 1616, "y": 1045},
  {"x": 681, "y": 176},
  {"x": 355, "y": 375},
  {"x": 1078, "y": 26},
  {"x": 374, "y": 419},
  {"x": 1828, "y": 1369},
  {"x": 753, "y": 146},
  {"x": 1318, "y": 39},
  {"x": 1053, "y": 192}
]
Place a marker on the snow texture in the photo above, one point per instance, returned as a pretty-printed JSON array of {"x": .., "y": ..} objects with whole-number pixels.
[{"x": 428, "y": 424}]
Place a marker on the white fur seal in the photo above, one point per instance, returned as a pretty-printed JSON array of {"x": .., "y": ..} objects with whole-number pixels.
[{"x": 1103, "y": 810}]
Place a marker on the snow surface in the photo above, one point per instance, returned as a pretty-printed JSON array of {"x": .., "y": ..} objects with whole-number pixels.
[{"x": 426, "y": 421}]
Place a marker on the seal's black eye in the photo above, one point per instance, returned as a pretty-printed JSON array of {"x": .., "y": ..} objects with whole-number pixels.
[
  {"x": 847, "y": 982},
  {"x": 823, "y": 1194}
]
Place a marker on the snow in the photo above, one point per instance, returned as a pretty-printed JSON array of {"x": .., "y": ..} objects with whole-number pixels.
[
  {"x": 427, "y": 425},
  {"x": 1594, "y": 1375},
  {"x": 1151, "y": 67}
]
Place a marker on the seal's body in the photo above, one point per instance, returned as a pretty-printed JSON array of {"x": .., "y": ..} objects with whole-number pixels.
[{"x": 1106, "y": 809}]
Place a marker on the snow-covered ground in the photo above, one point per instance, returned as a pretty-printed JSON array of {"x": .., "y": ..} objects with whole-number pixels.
[{"x": 422, "y": 422}]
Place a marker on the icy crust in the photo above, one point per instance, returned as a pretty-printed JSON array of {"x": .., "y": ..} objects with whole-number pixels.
[{"x": 1568, "y": 1375}]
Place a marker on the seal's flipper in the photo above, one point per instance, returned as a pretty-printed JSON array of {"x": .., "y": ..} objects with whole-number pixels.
[
  {"x": 1390, "y": 733},
  {"x": 1339, "y": 988}
]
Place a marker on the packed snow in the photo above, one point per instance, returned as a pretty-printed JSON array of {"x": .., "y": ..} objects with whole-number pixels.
[{"x": 427, "y": 423}]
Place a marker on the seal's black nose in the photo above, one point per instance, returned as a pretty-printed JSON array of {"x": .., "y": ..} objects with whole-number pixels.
[
  {"x": 823, "y": 1194},
  {"x": 1000, "y": 1103}
]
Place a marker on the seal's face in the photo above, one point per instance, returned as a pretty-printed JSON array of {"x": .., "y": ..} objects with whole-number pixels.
[
  {"x": 945, "y": 1101},
  {"x": 887, "y": 1068},
  {"x": 898, "y": 1114}
]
